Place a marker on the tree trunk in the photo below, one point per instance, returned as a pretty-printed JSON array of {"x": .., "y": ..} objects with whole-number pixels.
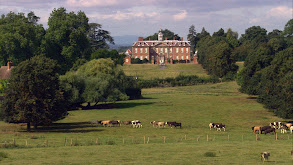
[
  {"x": 35, "y": 126},
  {"x": 28, "y": 127}
]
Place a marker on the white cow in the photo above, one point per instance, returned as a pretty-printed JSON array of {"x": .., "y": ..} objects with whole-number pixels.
[{"x": 136, "y": 124}]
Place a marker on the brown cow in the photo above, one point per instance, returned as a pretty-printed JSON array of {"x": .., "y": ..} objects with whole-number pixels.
[
  {"x": 270, "y": 130},
  {"x": 126, "y": 122},
  {"x": 256, "y": 128},
  {"x": 158, "y": 124},
  {"x": 265, "y": 155},
  {"x": 105, "y": 122}
]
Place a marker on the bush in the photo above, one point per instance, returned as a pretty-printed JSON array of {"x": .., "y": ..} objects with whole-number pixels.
[
  {"x": 3, "y": 155},
  {"x": 210, "y": 154},
  {"x": 177, "y": 81}
]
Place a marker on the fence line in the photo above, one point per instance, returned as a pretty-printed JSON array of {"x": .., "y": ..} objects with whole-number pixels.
[{"x": 126, "y": 140}]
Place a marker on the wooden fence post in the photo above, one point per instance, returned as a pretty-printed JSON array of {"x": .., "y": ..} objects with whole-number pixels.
[
  {"x": 70, "y": 142},
  {"x": 144, "y": 140},
  {"x": 164, "y": 139},
  {"x": 276, "y": 136},
  {"x": 198, "y": 138},
  {"x": 228, "y": 137},
  {"x": 25, "y": 142},
  {"x": 14, "y": 142},
  {"x": 65, "y": 141},
  {"x": 97, "y": 140}
]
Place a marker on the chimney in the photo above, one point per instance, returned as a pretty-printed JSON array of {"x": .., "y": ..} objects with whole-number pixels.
[
  {"x": 9, "y": 64},
  {"x": 181, "y": 38},
  {"x": 149, "y": 38},
  {"x": 140, "y": 38},
  {"x": 173, "y": 38},
  {"x": 166, "y": 38}
]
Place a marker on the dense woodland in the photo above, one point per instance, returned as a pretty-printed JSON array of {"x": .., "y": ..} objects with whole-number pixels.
[{"x": 74, "y": 57}]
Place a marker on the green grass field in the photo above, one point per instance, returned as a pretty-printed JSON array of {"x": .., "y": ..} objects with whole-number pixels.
[
  {"x": 74, "y": 141},
  {"x": 149, "y": 71}
]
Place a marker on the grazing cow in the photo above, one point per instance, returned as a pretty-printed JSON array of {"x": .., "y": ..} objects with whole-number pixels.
[
  {"x": 265, "y": 155},
  {"x": 276, "y": 125},
  {"x": 270, "y": 130},
  {"x": 288, "y": 124},
  {"x": 291, "y": 129},
  {"x": 126, "y": 122},
  {"x": 175, "y": 124},
  {"x": 104, "y": 122},
  {"x": 213, "y": 125},
  {"x": 136, "y": 124},
  {"x": 220, "y": 126},
  {"x": 256, "y": 128},
  {"x": 284, "y": 128},
  {"x": 264, "y": 128},
  {"x": 115, "y": 122},
  {"x": 157, "y": 124}
]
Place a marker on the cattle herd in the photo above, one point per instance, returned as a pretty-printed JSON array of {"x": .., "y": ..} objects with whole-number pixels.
[
  {"x": 271, "y": 128},
  {"x": 283, "y": 126},
  {"x": 134, "y": 123}
]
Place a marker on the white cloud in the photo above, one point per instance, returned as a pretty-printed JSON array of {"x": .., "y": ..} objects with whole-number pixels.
[
  {"x": 120, "y": 16},
  {"x": 180, "y": 16},
  {"x": 280, "y": 11},
  {"x": 91, "y": 3}
]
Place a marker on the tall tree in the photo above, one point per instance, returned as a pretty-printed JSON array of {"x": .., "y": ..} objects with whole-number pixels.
[
  {"x": 166, "y": 34},
  {"x": 98, "y": 37},
  {"x": 192, "y": 37},
  {"x": 33, "y": 94},
  {"x": 288, "y": 32},
  {"x": 277, "y": 84},
  {"x": 66, "y": 38},
  {"x": 20, "y": 37}
]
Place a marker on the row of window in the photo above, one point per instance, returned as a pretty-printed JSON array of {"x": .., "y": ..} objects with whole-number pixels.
[
  {"x": 161, "y": 50},
  {"x": 177, "y": 57}
]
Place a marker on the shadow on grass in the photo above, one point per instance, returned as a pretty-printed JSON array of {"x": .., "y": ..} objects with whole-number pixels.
[
  {"x": 74, "y": 127},
  {"x": 115, "y": 105}
]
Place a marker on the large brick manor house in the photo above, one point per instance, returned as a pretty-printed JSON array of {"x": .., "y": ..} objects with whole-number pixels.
[{"x": 159, "y": 51}]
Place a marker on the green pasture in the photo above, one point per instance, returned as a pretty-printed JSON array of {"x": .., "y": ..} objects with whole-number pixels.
[
  {"x": 149, "y": 71},
  {"x": 74, "y": 141}
]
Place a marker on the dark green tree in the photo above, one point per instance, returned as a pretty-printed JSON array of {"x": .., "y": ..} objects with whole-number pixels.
[
  {"x": 105, "y": 53},
  {"x": 277, "y": 84},
  {"x": 98, "y": 37},
  {"x": 20, "y": 37},
  {"x": 66, "y": 38},
  {"x": 288, "y": 32},
  {"x": 255, "y": 34},
  {"x": 220, "y": 33},
  {"x": 33, "y": 94},
  {"x": 166, "y": 34},
  {"x": 249, "y": 76},
  {"x": 192, "y": 37}
]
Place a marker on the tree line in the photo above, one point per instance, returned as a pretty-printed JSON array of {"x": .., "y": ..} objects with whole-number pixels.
[
  {"x": 59, "y": 68},
  {"x": 268, "y": 61}
]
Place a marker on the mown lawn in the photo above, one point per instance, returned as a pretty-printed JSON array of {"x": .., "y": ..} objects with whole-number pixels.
[
  {"x": 193, "y": 106},
  {"x": 149, "y": 71}
]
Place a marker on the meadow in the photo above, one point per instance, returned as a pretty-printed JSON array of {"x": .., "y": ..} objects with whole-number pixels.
[{"x": 74, "y": 141}]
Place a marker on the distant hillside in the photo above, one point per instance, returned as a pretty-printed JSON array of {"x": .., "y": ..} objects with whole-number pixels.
[{"x": 126, "y": 40}]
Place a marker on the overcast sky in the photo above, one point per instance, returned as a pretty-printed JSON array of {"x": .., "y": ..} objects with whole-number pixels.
[{"x": 145, "y": 17}]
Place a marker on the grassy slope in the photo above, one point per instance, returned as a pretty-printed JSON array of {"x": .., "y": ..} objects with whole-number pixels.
[
  {"x": 148, "y": 71},
  {"x": 194, "y": 106}
]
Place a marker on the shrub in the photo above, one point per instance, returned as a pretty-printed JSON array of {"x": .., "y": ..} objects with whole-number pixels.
[
  {"x": 210, "y": 154},
  {"x": 3, "y": 155}
]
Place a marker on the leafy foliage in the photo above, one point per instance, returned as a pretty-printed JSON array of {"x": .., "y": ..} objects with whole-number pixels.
[
  {"x": 20, "y": 37},
  {"x": 33, "y": 93},
  {"x": 99, "y": 80},
  {"x": 166, "y": 34},
  {"x": 98, "y": 37},
  {"x": 105, "y": 53},
  {"x": 277, "y": 84},
  {"x": 66, "y": 38}
]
